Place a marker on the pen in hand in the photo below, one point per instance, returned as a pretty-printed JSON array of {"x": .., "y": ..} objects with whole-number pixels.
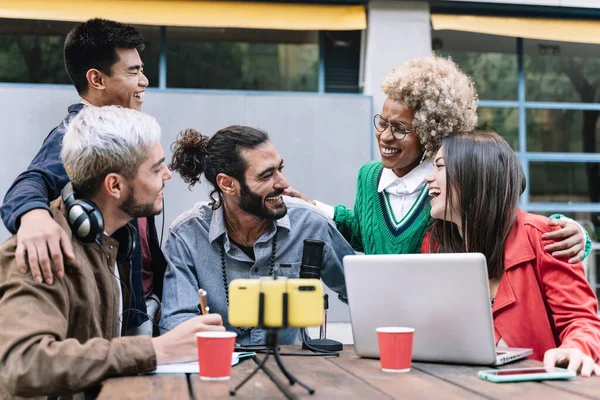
[{"x": 203, "y": 305}]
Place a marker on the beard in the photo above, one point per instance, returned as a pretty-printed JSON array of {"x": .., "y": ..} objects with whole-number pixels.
[
  {"x": 136, "y": 209},
  {"x": 252, "y": 203}
]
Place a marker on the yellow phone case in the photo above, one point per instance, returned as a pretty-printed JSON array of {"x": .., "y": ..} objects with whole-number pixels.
[
  {"x": 273, "y": 290},
  {"x": 305, "y": 302},
  {"x": 243, "y": 302}
]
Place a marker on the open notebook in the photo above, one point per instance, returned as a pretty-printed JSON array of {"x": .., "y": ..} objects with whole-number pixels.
[{"x": 193, "y": 367}]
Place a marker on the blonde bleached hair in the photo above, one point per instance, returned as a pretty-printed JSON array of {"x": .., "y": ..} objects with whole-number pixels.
[
  {"x": 103, "y": 140},
  {"x": 442, "y": 98}
]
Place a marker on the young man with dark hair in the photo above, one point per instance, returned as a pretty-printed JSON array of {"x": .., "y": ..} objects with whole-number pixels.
[
  {"x": 100, "y": 45},
  {"x": 103, "y": 61}
]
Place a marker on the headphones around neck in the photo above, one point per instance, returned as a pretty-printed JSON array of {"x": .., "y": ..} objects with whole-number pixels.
[
  {"x": 87, "y": 224},
  {"x": 84, "y": 217}
]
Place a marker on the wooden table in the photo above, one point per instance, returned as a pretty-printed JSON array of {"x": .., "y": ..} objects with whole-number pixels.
[{"x": 351, "y": 377}]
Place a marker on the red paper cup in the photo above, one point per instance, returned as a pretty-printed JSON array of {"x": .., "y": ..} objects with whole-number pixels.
[
  {"x": 395, "y": 348},
  {"x": 215, "y": 351}
]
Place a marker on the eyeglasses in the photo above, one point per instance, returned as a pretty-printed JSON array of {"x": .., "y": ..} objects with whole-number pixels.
[{"x": 399, "y": 130}]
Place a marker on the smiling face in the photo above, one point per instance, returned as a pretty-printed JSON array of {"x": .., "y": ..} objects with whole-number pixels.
[
  {"x": 439, "y": 191},
  {"x": 401, "y": 156},
  {"x": 127, "y": 83},
  {"x": 260, "y": 194},
  {"x": 146, "y": 188}
]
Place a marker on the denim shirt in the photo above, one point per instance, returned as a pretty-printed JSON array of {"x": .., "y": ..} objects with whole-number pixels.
[{"x": 194, "y": 261}]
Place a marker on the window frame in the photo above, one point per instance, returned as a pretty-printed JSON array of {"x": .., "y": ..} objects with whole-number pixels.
[{"x": 525, "y": 157}]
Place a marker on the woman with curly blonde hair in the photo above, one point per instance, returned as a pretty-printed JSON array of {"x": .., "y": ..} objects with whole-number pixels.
[{"x": 427, "y": 98}]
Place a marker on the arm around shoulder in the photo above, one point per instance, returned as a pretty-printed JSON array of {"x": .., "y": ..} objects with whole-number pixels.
[
  {"x": 572, "y": 240},
  {"x": 38, "y": 185}
]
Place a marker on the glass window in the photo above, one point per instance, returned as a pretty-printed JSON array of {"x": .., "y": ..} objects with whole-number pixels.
[
  {"x": 561, "y": 71},
  {"x": 564, "y": 182},
  {"x": 491, "y": 61},
  {"x": 554, "y": 72},
  {"x": 32, "y": 51},
  {"x": 504, "y": 121},
  {"x": 242, "y": 59},
  {"x": 563, "y": 131},
  {"x": 151, "y": 54}
]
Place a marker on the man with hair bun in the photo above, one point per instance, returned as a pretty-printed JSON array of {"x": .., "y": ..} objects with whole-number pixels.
[
  {"x": 65, "y": 339},
  {"x": 247, "y": 230},
  {"x": 102, "y": 58},
  {"x": 428, "y": 98}
]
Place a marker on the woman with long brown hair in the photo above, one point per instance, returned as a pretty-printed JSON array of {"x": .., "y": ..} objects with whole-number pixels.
[{"x": 538, "y": 301}]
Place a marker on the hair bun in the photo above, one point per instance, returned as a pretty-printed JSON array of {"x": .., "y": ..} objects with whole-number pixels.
[
  {"x": 189, "y": 153},
  {"x": 190, "y": 139}
]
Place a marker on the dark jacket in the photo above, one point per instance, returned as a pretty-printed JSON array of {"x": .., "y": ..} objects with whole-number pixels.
[
  {"x": 63, "y": 339},
  {"x": 43, "y": 181}
]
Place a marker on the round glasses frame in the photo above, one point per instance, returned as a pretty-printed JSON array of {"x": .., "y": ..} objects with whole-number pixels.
[{"x": 399, "y": 130}]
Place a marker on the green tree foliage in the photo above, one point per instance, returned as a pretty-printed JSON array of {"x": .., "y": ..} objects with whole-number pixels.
[
  {"x": 241, "y": 66},
  {"x": 549, "y": 77},
  {"x": 32, "y": 59}
]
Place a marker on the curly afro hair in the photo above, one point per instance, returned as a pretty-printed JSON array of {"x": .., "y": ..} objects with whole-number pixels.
[{"x": 442, "y": 97}]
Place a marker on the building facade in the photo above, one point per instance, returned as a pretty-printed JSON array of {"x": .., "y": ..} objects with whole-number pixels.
[{"x": 309, "y": 72}]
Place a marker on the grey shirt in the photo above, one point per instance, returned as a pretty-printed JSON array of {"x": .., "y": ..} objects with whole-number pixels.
[{"x": 194, "y": 261}]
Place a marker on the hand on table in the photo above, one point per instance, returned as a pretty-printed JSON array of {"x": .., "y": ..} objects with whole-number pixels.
[
  {"x": 179, "y": 344},
  {"x": 574, "y": 359}
]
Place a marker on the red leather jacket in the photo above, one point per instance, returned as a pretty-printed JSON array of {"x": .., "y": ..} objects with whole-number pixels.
[{"x": 542, "y": 302}]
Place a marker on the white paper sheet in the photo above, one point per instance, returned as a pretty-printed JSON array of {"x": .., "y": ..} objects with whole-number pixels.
[{"x": 193, "y": 367}]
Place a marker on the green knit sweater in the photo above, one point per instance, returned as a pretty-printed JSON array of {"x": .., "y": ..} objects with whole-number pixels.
[{"x": 372, "y": 227}]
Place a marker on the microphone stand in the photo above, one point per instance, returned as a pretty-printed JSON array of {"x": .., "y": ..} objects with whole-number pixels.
[
  {"x": 312, "y": 262},
  {"x": 322, "y": 343}
]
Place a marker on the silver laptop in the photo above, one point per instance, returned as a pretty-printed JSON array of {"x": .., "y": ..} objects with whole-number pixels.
[{"x": 445, "y": 297}]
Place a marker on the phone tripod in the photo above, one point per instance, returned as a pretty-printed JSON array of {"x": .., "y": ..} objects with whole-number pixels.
[{"x": 272, "y": 346}]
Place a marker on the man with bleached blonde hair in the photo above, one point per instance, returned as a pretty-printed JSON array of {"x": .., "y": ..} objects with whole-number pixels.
[{"x": 65, "y": 338}]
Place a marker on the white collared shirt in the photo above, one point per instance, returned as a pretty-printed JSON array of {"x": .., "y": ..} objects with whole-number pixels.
[{"x": 402, "y": 191}]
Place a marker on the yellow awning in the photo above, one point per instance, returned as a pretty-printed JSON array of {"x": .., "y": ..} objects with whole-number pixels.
[
  {"x": 210, "y": 14},
  {"x": 564, "y": 30}
]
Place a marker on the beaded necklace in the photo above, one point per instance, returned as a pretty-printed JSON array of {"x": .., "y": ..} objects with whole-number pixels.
[{"x": 224, "y": 269}]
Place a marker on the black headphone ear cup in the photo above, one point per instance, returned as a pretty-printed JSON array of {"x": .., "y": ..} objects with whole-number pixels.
[
  {"x": 127, "y": 238},
  {"x": 86, "y": 220}
]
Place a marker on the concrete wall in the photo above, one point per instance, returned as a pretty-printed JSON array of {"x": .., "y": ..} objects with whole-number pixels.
[
  {"x": 397, "y": 32},
  {"x": 323, "y": 139}
]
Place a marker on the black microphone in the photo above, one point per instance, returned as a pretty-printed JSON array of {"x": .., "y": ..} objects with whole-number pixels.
[
  {"x": 312, "y": 259},
  {"x": 310, "y": 268}
]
